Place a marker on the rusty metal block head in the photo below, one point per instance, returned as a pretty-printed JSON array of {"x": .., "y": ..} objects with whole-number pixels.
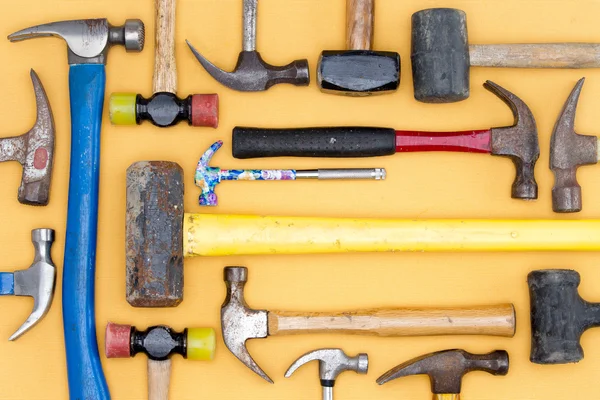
[{"x": 154, "y": 244}]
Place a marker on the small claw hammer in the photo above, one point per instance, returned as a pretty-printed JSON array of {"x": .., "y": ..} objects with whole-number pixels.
[{"x": 88, "y": 42}]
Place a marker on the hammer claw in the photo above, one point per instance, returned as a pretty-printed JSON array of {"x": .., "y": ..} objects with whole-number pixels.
[{"x": 217, "y": 73}]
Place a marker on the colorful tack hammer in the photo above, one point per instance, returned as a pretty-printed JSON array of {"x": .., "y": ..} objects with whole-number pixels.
[
  {"x": 207, "y": 178},
  {"x": 88, "y": 42},
  {"x": 164, "y": 108},
  {"x": 159, "y": 343}
]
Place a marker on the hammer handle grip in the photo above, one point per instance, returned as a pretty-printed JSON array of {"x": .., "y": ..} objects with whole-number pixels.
[
  {"x": 549, "y": 55},
  {"x": 497, "y": 320},
  {"x": 359, "y": 24},
  {"x": 347, "y": 141},
  {"x": 446, "y": 396},
  {"x": 86, "y": 379},
  {"x": 165, "y": 68},
  {"x": 159, "y": 377}
]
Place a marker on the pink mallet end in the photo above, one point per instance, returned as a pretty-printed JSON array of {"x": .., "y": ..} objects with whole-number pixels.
[
  {"x": 117, "y": 341},
  {"x": 205, "y": 110}
]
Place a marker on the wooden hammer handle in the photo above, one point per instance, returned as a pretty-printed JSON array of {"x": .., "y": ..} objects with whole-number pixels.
[
  {"x": 550, "y": 55},
  {"x": 446, "y": 396},
  {"x": 498, "y": 320},
  {"x": 159, "y": 376},
  {"x": 359, "y": 24},
  {"x": 165, "y": 69}
]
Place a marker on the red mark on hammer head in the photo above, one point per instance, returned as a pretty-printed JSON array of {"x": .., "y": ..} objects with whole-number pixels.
[{"x": 40, "y": 159}]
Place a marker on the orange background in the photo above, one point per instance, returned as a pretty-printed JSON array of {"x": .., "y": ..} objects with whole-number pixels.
[{"x": 418, "y": 185}]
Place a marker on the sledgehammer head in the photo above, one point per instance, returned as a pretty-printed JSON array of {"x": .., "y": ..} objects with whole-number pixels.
[{"x": 154, "y": 245}]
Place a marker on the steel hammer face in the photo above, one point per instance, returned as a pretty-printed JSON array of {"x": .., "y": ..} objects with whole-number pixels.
[
  {"x": 37, "y": 281},
  {"x": 34, "y": 150}
]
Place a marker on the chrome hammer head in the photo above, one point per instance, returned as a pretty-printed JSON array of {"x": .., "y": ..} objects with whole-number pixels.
[
  {"x": 568, "y": 151},
  {"x": 37, "y": 281},
  {"x": 332, "y": 362},
  {"x": 239, "y": 322},
  {"x": 34, "y": 150},
  {"x": 88, "y": 40}
]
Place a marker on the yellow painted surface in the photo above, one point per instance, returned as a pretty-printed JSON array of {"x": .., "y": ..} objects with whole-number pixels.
[
  {"x": 121, "y": 108},
  {"x": 423, "y": 186}
]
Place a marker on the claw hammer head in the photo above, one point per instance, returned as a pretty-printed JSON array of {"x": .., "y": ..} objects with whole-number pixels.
[
  {"x": 518, "y": 142},
  {"x": 332, "y": 362},
  {"x": 34, "y": 150},
  {"x": 568, "y": 151},
  {"x": 37, "y": 281},
  {"x": 446, "y": 368},
  {"x": 88, "y": 40}
]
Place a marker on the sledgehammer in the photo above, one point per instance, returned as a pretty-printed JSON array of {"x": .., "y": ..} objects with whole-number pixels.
[{"x": 159, "y": 235}]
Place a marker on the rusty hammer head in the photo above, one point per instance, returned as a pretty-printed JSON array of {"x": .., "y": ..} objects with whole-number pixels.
[
  {"x": 34, "y": 150},
  {"x": 518, "y": 142},
  {"x": 568, "y": 151},
  {"x": 446, "y": 368}
]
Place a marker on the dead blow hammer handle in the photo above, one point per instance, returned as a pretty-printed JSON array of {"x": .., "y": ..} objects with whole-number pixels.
[
  {"x": 498, "y": 320},
  {"x": 550, "y": 55},
  {"x": 313, "y": 142}
]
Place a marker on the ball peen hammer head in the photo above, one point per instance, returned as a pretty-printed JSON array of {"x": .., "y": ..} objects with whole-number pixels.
[
  {"x": 154, "y": 234},
  {"x": 38, "y": 281},
  {"x": 88, "y": 40},
  {"x": 518, "y": 142},
  {"x": 559, "y": 316},
  {"x": 332, "y": 362},
  {"x": 239, "y": 322},
  {"x": 34, "y": 150},
  {"x": 446, "y": 368},
  {"x": 568, "y": 151},
  {"x": 358, "y": 72}
]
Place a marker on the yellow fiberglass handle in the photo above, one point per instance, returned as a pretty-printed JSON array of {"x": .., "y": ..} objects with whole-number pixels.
[{"x": 220, "y": 235}]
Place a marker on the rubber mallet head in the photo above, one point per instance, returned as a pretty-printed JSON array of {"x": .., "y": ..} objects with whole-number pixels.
[
  {"x": 568, "y": 151},
  {"x": 34, "y": 150},
  {"x": 559, "y": 316},
  {"x": 159, "y": 343},
  {"x": 359, "y": 71},
  {"x": 447, "y": 368},
  {"x": 37, "y": 281},
  {"x": 164, "y": 108}
]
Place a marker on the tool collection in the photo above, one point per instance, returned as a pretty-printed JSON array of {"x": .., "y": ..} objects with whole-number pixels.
[{"x": 159, "y": 234}]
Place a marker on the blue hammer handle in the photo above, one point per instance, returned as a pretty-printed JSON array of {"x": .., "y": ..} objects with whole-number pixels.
[
  {"x": 86, "y": 379},
  {"x": 7, "y": 283}
]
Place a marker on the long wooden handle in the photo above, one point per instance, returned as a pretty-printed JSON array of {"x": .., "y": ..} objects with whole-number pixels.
[
  {"x": 165, "y": 69},
  {"x": 221, "y": 235},
  {"x": 159, "y": 376},
  {"x": 359, "y": 24},
  {"x": 446, "y": 396},
  {"x": 550, "y": 55},
  {"x": 496, "y": 320}
]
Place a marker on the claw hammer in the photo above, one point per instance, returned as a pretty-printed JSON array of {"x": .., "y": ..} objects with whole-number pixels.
[{"x": 88, "y": 42}]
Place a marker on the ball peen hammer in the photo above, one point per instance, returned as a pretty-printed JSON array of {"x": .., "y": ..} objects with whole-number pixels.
[
  {"x": 159, "y": 235},
  {"x": 359, "y": 71},
  {"x": 207, "y": 177},
  {"x": 164, "y": 108},
  {"x": 441, "y": 55},
  {"x": 88, "y": 42},
  {"x": 159, "y": 343},
  {"x": 252, "y": 73},
  {"x": 240, "y": 323},
  {"x": 447, "y": 368},
  {"x": 34, "y": 150},
  {"x": 519, "y": 142}
]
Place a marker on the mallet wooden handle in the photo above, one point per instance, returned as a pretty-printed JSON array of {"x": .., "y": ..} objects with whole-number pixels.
[
  {"x": 550, "y": 55},
  {"x": 359, "y": 21},
  {"x": 165, "y": 69},
  {"x": 446, "y": 396},
  {"x": 485, "y": 320},
  {"x": 159, "y": 377}
]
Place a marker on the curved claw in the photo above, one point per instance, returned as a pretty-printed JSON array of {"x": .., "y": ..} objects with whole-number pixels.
[
  {"x": 308, "y": 357},
  {"x": 332, "y": 362},
  {"x": 564, "y": 127},
  {"x": 206, "y": 157},
  {"x": 242, "y": 354},
  {"x": 217, "y": 73},
  {"x": 517, "y": 106}
]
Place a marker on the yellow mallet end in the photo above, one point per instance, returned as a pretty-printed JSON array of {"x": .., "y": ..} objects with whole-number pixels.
[
  {"x": 201, "y": 344},
  {"x": 121, "y": 109}
]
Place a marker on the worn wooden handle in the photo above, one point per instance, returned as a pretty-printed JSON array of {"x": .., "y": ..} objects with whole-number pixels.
[
  {"x": 159, "y": 376},
  {"x": 498, "y": 320},
  {"x": 446, "y": 396},
  {"x": 165, "y": 69},
  {"x": 550, "y": 55},
  {"x": 359, "y": 24}
]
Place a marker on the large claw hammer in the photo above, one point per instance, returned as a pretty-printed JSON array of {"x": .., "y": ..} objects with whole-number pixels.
[{"x": 88, "y": 42}]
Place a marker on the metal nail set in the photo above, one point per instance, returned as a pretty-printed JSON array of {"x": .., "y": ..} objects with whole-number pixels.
[{"x": 160, "y": 234}]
